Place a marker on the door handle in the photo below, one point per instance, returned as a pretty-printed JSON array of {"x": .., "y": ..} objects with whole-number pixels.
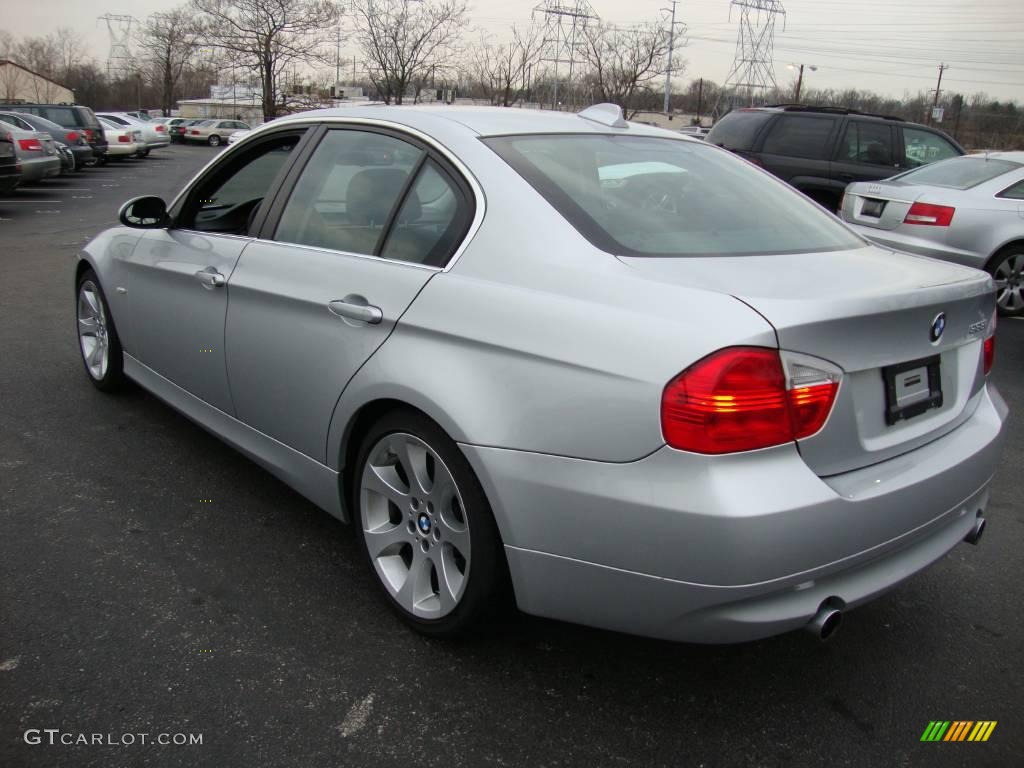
[
  {"x": 365, "y": 313},
  {"x": 210, "y": 278}
]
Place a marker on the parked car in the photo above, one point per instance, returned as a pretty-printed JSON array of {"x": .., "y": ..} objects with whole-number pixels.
[
  {"x": 36, "y": 152},
  {"x": 67, "y": 160},
  {"x": 10, "y": 168},
  {"x": 819, "y": 150},
  {"x": 142, "y": 115},
  {"x": 684, "y": 401},
  {"x": 123, "y": 140},
  {"x": 969, "y": 210},
  {"x": 214, "y": 132},
  {"x": 177, "y": 131},
  {"x": 237, "y": 136},
  {"x": 154, "y": 136},
  {"x": 73, "y": 117},
  {"x": 79, "y": 152}
]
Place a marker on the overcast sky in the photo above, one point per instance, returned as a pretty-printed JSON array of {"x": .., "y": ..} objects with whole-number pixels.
[{"x": 884, "y": 45}]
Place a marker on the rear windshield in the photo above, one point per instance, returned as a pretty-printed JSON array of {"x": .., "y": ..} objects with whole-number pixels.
[
  {"x": 959, "y": 172},
  {"x": 647, "y": 196},
  {"x": 737, "y": 130}
]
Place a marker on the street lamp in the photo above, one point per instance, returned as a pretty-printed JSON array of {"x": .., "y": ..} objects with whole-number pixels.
[{"x": 800, "y": 77}]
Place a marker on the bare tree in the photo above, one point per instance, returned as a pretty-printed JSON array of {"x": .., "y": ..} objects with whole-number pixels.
[
  {"x": 624, "y": 62},
  {"x": 168, "y": 42},
  {"x": 269, "y": 36},
  {"x": 403, "y": 40},
  {"x": 502, "y": 71},
  {"x": 69, "y": 50}
]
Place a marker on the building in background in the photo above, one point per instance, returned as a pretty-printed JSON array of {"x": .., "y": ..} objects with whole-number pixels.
[{"x": 20, "y": 84}]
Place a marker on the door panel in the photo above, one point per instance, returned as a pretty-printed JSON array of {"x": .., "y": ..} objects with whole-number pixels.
[
  {"x": 289, "y": 354},
  {"x": 177, "y": 316}
]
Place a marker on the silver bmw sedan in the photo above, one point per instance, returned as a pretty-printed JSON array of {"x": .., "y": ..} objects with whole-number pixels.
[
  {"x": 643, "y": 383},
  {"x": 968, "y": 210}
]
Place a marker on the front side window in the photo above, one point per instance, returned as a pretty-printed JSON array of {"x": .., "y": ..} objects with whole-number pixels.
[
  {"x": 799, "y": 136},
  {"x": 646, "y": 196},
  {"x": 347, "y": 192},
  {"x": 923, "y": 147},
  {"x": 868, "y": 143},
  {"x": 227, "y": 199}
]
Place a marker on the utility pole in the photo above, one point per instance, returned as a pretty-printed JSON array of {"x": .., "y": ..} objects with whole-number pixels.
[
  {"x": 938, "y": 90},
  {"x": 700, "y": 98},
  {"x": 799, "y": 84},
  {"x": 671, "y": 47}
]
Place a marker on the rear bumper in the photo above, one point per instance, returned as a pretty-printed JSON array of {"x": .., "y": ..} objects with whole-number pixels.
[
  {"x": 157, "y": 143},
  {"x": 43, "y": 168},
  {"x": 123, "y": 150},
  {"x": 901, "y": 241},
  {"x": 734, "y": 548}
]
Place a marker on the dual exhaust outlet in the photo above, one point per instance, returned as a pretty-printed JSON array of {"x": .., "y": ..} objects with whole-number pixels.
[{"x": 829, "y": 616}]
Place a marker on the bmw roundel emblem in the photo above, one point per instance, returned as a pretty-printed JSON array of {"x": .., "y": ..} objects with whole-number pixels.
[
  {"x": 938, "y": 327},
  {"x": 424, "y": 523}
]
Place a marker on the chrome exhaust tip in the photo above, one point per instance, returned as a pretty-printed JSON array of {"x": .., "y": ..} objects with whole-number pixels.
[
  {"x": 979, "y": 528},
  {"x": 825, "y": 622}
]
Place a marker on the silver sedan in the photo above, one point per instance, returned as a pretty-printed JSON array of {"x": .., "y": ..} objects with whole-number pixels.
[
  {"x": 968, "y": 210},
  {"x": 644, "y": 383}
]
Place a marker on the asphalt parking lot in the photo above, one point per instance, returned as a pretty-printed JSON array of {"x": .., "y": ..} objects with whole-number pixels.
[{"x": 152, "y": 580}]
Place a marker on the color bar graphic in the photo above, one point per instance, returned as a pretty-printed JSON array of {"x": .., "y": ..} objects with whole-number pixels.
[{"x": 958, "y": 730}]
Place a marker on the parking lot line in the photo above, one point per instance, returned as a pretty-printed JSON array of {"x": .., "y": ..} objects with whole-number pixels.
[{"x": 34, "y": 202}]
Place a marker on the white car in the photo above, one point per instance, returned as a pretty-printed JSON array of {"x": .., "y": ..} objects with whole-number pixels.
[
  {"x": 154, "y": 135},
  {"x": 237, "y": 136},
  {"x": 122, "y": 141}
]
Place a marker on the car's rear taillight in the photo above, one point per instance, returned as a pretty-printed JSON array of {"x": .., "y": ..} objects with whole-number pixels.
[
  {"x": 195, "y": 133},
  {"x": 90, "y": 135},
  {"x": 124, "y": 139},
  {"x": 989, "y": 348},
  {"x": 929, "y": 215},
  {"x": 33, "y": 145},
  {"x": 744, "y": 398},
  {"x": 71, "y": 137},
  {"x": 160, "y": 129}
]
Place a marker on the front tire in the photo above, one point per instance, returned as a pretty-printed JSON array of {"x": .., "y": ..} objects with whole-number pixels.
[
  {"x": 425, "y": 526},
  {"x": 98, "y": 341},
  {"x": 1007, "y": 270},
  {"x": 214, "y": 141}
]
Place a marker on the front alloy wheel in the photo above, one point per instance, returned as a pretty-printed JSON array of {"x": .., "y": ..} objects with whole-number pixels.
[
  {"x": 214, "y": 140},
  {"x": 425, "y": 525},
  {"x": 97, "y": 337}
]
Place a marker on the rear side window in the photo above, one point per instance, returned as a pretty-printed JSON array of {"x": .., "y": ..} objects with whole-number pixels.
[
  {"x": 738, "y": 129},
  {"x": 959, "y": 173},
  {"x": 868, "y": 143},
  {"x": 1016, "y": 192},
  {"x": 923, "y": 147},
  {"x": 648, "y": 196},
  {"x": 799, "y": 136}
]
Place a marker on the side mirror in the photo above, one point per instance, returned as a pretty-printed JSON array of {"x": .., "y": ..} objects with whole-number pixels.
[{"x": 149, "y": 212}]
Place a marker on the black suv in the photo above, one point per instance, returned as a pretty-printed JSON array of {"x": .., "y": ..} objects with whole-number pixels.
[
  {"x": 72, "y": 117},
  {"x": 819, "y": 150}
]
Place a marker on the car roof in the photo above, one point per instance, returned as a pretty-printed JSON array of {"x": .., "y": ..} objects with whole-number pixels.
[
  {"x": 1012, "y": 156},
  {"x": 481, "y": 121}
]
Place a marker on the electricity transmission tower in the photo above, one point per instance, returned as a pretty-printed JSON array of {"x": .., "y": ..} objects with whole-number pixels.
[
  {"x": 752, "y": 74},
  {"x": 564, "y": 24},
  {"x": 119, "y": 58}
]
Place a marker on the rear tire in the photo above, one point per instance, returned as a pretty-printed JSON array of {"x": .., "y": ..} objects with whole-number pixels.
[
  {"x": 425, "y": 527},
  {"x": 214, "y": 140},
  {"x": 1007, "y": 270}
]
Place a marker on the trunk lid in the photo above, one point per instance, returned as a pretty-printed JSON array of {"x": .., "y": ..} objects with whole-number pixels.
[
  {"x": 863, "y": 310},
  {"x": 881, "y": 205}
]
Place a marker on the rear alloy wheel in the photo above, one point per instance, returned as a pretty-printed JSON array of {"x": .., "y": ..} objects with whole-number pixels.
[
  {"x": 214, "y": 140},
  {"x": 97, "y": 337},
  {"x": 425, "y": 526},
  {"x": 1008, "y": 272}
]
